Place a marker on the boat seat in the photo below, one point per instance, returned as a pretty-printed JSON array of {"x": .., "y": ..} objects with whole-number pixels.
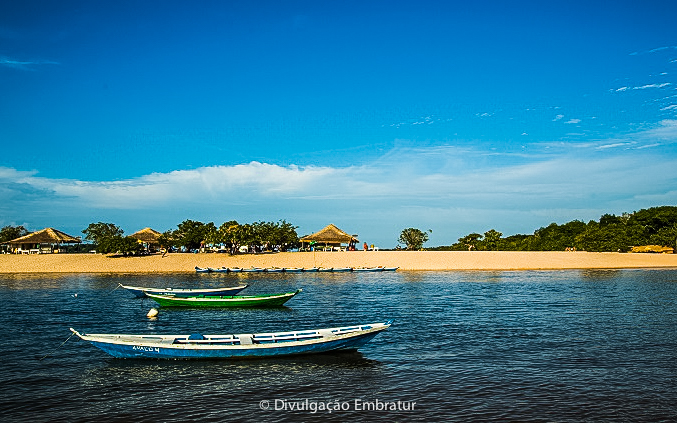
[
  {"x": 246, "y": 339},
  {"x": 326, "y": 333}
]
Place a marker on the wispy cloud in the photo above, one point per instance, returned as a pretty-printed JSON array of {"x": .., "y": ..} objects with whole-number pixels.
[
  {"x": 654, "y": 50},
  {"x": 431, "y": 185},
  {"x": 570, "y": 121},
  {"x": 421, "y": 120},
  {"x": 643, "y": 87},
  {"x": 23, "y": 64}
]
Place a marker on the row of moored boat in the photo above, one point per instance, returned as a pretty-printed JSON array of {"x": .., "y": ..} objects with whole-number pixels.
[{"x": 291, "y": 269}]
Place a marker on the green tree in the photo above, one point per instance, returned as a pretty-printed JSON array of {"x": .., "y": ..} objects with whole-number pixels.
[
  {"x": 166, "y": 240},
  {"x": 286, "y": 235},
  {"x": 492, "y": 239},
  {"x": 9, "y": 233},
  {"x": 516, "y": 243},
  {"x": 556, "y": 237},
  {"x": 413, "y": 238},
  {"x": 118, "y": 244},
  {"x": 666, "y": 236},
  {"x": 191, "y": 234},
  {"x": 470, "y": 241},
  {"x": 98, "y": 233},
  {"x": 610, "y": 237}
]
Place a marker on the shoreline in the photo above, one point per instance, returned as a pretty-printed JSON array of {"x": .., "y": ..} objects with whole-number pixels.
[{"x": 405, "y": 260}]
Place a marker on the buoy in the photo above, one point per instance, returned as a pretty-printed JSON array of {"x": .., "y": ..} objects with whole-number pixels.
[{"x": 152, "y": 313}]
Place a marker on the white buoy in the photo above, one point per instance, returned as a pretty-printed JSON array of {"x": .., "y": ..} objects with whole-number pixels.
[{"x": 152, "y": 313}]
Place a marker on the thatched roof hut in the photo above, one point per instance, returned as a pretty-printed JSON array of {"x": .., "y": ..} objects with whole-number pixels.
[
  {"x": 47, "y": 236},
  {"x": 147, "y": 235},
  {"x": 330, "y": 236}
]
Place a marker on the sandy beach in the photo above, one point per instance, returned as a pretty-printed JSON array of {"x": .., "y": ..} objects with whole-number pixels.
[{"x": 405, "y": 260}]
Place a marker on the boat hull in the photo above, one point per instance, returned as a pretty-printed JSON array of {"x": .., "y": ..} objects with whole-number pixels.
[
  {"x": 155, "y": 349},
  {"x": 224, "y": 301}
]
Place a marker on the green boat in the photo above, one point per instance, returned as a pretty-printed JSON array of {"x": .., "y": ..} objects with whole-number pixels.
[{"x": 223, "y": 300}]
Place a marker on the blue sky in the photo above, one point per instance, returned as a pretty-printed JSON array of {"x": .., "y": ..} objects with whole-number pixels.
[{"x": 376, "y": 116}]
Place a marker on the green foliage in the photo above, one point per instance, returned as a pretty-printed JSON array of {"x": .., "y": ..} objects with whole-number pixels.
[
  {"x": 653, "y": 226},
  {"x": 9, "y": 233},
  {"x": 492, "y": 239},
  {"x": 166, "y": 240},
  {"x": 191, "y": 235},
  {"x": 100, "y": 232},
  {"x": 413, "y": 238},
  {"x": 470, "y": 241},
  {"x": 118, "y": 244},
  {"x": 109, "y": 239}
]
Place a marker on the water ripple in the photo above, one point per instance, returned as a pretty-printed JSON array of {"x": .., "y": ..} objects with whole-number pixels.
[{"x": 466, "y": 346}]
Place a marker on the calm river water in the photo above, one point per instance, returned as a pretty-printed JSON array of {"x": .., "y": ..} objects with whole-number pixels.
[{"x": 465, "y": 346}]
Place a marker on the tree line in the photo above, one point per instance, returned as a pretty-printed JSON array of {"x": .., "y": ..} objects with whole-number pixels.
[
  {"x": 652, "y": 226},
  {"x": 191, "y": 235}
]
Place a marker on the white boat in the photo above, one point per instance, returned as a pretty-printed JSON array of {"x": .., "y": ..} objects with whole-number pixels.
[
  {"x": 253, "y": 269},
  {"x": 269, "y": 344},
  {"x": 368, "y": 269},
  {"x": 183, "y": 292}
]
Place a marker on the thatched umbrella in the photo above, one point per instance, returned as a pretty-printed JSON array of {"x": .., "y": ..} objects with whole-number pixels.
[
  {"x": 147, "y": 236},
  {"x": 330, "y": 235},
  {"x": 49, "y": 236}
]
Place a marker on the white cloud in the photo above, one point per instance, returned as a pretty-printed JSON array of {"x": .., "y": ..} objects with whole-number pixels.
[
  {"x": 573, "y": 121},
  {"x": 403, "y": 187},
  {"x": 558, "y": 117},
  {"x": 24, "y": 65},
  {"x": 655, "y": 50},
  {"x": 643, "y": 87}
]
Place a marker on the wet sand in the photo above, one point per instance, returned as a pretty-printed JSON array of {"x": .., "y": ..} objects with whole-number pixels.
[{"x": 405, "y": 260}]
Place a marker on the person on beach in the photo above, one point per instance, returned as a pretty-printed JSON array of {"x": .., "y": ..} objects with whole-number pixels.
[{"x": 365, "y": 247}]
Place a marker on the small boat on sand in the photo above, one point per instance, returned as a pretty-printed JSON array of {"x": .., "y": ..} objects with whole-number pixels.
[
  {"x": 271, "y": 344},
  {"x": 183, "y": 292},
  {"x": 271, "y": 300},
  {"x": 253, "y": 269},
  {"x": 368, "y": 269},
  {"x": 234, "y": 269},
  {"x": 274, "y": 270},
  {"x": 293, "y": 269},
  {"x": 342, "y": 269},
  {"x": 202, "y": 269}
]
